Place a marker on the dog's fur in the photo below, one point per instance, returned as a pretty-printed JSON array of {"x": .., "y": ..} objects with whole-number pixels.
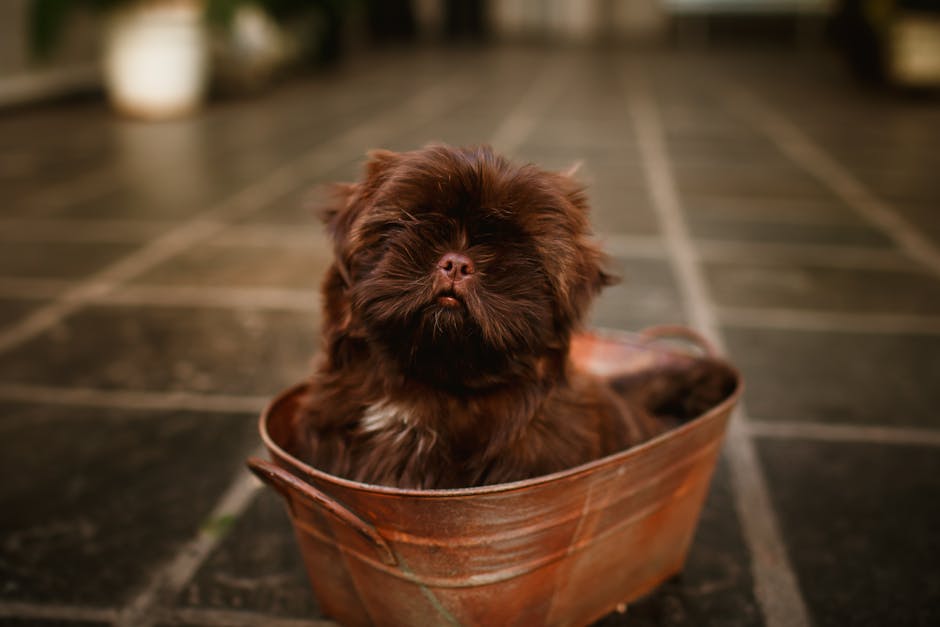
[{"x": 430, "y": 380}]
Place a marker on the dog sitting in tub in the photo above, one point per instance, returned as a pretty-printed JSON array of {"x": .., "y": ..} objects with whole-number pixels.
[{"x": 457, "y": 282}]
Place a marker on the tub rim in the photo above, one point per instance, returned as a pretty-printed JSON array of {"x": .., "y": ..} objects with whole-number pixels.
[{"x": 305, "y": 470}]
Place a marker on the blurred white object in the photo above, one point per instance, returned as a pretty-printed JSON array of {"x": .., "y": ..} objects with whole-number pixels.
[
  {"x": 914, "y": 50},
  {"x": 251, "y": 51},
  {"x": 156, "y": 58}
]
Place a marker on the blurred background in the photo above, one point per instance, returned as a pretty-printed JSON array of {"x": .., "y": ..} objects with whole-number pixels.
[
  {"x": 54, "y": 47},
  {"x": 765, "y": 171}
]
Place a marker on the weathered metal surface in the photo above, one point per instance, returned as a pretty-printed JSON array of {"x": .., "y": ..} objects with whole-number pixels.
[{"x": 563, "y": 549}]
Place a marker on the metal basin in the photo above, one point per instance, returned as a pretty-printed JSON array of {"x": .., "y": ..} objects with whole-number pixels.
[{"x": 561, "y": 549}]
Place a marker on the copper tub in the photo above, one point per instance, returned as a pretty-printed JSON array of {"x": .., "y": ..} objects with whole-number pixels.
[{"x": 562, "y": 549}]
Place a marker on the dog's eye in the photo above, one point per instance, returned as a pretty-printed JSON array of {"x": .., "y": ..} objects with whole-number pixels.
[
  {"x": 379, "y": 232},
  {"x": 495, "y": 228},
  {"x": 391, "y": 227}
]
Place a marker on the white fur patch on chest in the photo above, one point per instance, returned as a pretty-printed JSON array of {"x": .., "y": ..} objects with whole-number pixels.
[
  {"x": 386, "y": 416},
  {"x": 398, "y": 430}
]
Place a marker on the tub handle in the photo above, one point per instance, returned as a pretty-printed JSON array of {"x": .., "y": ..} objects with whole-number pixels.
[
  {"x": 675, "y": 331},
  {"x": 287, "y": 485}
]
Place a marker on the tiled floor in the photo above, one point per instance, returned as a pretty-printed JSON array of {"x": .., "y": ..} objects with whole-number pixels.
[{"x": 158, "y": 283}]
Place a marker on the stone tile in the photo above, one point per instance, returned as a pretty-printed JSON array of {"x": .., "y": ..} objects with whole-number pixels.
[
  {"x": 168, "y": 349},
  {"x": 899, "y": 183},
  {"x": 209, "y": 159},
  {"x": 716, "y": 587},
  {"x": 713, "y": 131},
  {"x": 39, "y": 622},
  {"x": 300, "y": 205},
  {"x": 581, "y": 115},
  {"x": 762, "y": 180},
  {"x": 884, "y": 156},
  {"x": 696, "y": 150},
  {"x": 805, "y": 286},
  {"x": 54, "y": 136},
  {"x": 297, "y": 207},
  {"x": 13, "y": 310},
  {"x": 471, "y": 122},
  {"x": 838, "y": 377},
  {"x": 593, "y": 137},
  {"x": 58, "y": 260},
  {"x": 127, "y": 232},
  {"x": 608, "y": 175},
  {"x": 619, "y": 210},
  {"x": 147, "y": 200},
  {"x": 645, "y": 296},
  {"x": 701, "y": 121},
  {"x": 221, "y": 265},
  {"x": 922, "y": 216},
  {"x": 787, "y": 232},
  {"x": 96, "y": 498},
  {"x": 723, "y": 211},
  {"x": 585, "y": 140},
  {"x": 258, "y": 567},
  {"x": 556, "y": 156},
  {"x": 860, "y": 523}
]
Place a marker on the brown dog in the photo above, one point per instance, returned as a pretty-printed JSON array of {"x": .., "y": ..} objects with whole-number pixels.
[{"x": 457, "y": 283}]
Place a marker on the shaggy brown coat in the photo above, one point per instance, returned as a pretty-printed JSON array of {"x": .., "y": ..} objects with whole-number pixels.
[{"x": 457, "y": 282}]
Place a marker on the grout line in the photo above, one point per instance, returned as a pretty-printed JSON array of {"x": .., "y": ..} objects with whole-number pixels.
[
  {"x": 829, "y": 321},
  {"x": 676, "y": 238},
  {"x": 131, "y": 399},
  {"x": 791, "y": 211},
  {"x": 240, "y": 298},
  {"x": 220, "y": 403},
  {"x": 775, "y": 584},
  {"x": 235, "y": 618},
  {"x": 83, "y": 188},
  {"x": 302, "y": 300},
  {"x": 106, "y": 230},
  {"x": 816, "y": 255},
  {"x": 83, "y": 230},
  {"x": 169, "y": 579},
  {"x": 63, "y": 613},
  {"x": 307, "y": 236},
  {"x": 843, "y": 433},
  {"x": 320, "y": 159},
  {"x": 801, "y": 149},
  {"x": 766, "y": 253}
]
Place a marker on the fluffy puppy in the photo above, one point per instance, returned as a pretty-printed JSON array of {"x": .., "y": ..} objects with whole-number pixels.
[{"x": 457, "y": 282}]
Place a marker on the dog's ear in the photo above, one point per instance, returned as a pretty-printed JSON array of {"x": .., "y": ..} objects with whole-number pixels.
[
  {"x": 380, "y": 162},
  {"x": 340, "y": 210},
  {"x": 572, "y": 186},
  {"x": 588, "y": 276},
  {"x": 338, "y": 214},
  {"x": 585, "y": 273},
  {"x": 327, "y": 209},
  {"x": 571, "y": 172},
  {"x": 348, "y": 201}
]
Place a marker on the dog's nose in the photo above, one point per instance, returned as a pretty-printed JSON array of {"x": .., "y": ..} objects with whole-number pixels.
[{"x": 456, "y": 267}]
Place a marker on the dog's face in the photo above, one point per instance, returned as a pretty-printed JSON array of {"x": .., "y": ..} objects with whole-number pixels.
[{"x": 460, "y": 266}]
